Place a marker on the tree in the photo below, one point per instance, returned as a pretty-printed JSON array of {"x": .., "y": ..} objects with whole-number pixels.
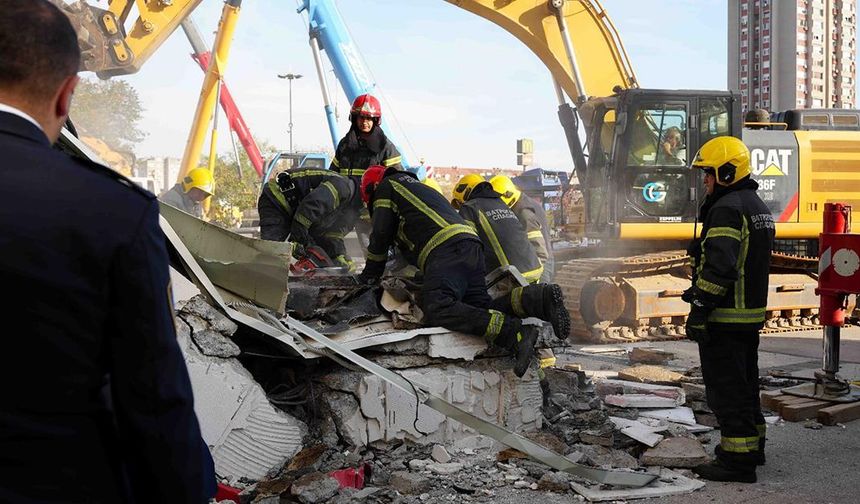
[
  {"x": 233, "y": 193},
  {"x": 109, "y": 110}
]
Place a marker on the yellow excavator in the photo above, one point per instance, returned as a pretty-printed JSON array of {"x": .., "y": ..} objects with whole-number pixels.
[{"x": 640, "y": 196}]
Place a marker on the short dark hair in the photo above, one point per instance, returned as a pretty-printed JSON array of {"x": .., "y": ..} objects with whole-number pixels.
[{"x": 38, "y": 47}]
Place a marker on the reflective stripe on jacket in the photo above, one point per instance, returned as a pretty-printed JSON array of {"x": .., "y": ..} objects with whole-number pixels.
[
  {"x": 533, "y": 218},
  {"x": 733, "y": 257},
  {"x": 414, "y": 217},
  {"x": 505, "y": 241}
]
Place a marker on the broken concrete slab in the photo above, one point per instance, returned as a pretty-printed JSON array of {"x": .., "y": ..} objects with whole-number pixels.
[
  {"x": 602, "y": 456},
  {"x": 650, "y": 374},
  {"x": 614, "y": 387},
  {"x": 668, "y": 483},
  {"x": 455, "y": 346},
  {"x": 675, "y": 452},
  {"x": 681, "y": 415},
  {"x": 409, "y": 483},
  {"x": 637, "y": 430},
  {"x": 552, "y": 481},
  {"x": 347, "y": 417},
  {"x": 314, "y": 488},
  {"x": 440, "y": 454},
  {"x": 694, "y": 391},
  {"x": 486, "y": 388},
  {"x": 217, "y": 321},
  {"x": 247, "y": 435},
  {"x": 639, "y": 401},
  {"x": 215, "y": 344},
  {"x": 645, "y": 355}
]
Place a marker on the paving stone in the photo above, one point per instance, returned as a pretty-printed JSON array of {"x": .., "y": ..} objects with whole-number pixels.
[
  {"x": 440, "y": 454},
  {"x": 409, "y": 483},
  {"x": 315, "y": 487},
  {"x": 675, "y": 452}
]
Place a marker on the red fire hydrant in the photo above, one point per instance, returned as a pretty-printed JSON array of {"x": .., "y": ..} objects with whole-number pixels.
[{"x": 838, "y": 277}]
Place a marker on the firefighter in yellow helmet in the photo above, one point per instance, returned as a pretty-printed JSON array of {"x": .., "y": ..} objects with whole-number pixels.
[
  {"x": 532, "y": 217},
  {"x": 431, "y": 182},
  {"x": 728, "y": 300},
  {"x": 464, "y": 186},
  {"x": 188, "y": 194}
]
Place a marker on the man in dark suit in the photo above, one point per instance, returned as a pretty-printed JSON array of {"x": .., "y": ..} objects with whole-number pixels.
[{"x": 95, "y": 400}]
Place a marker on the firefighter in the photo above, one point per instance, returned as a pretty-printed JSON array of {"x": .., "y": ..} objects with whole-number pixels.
[
  {"x": 96, "y": 404},
  {"x": 308, "y": 206},
  {"x": 505, "y": 244},
  {"x": 728, "y": 300},
  {"x": 532, "y": 217},
  {"x": 364, "y": 145},
  {"x": 190, "y": 193},
  {"x": 500, "y": 231},
  {"x": 448, "y": 252}
]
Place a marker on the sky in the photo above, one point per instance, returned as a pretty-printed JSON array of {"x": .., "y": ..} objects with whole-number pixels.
[{"x": 457, "y": 90}]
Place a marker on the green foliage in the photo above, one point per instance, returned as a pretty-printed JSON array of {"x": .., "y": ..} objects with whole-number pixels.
[
  {"x": 109, "y": 110},
  {"x": 234, "y": 194}
]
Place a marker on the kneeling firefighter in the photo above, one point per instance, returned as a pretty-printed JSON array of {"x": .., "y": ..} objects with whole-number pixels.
[
  {"x": 433, "y": 237},
  {"x": 728, "y": 301},
  {"x": 310, "y": 206}
]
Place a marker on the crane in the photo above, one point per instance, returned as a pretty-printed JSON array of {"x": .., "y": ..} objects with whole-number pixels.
[{"x": 640, "y": 197}]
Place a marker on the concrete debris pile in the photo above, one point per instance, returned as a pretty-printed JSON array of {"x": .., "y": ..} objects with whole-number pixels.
[{"x": 356, "y": 438}]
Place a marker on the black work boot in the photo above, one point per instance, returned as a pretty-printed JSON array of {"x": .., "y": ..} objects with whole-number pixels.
[
  {"x": 762, "y": 440},
  {"x": 720, "y": 471},
  {"x": 759, "y": 455},
  {"x": 555, "y": 312}
]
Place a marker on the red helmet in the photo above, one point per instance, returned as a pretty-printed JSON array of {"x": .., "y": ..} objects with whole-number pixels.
[
  {"x": 366, "y": 106},
  {"x": 372, "y": 176}
]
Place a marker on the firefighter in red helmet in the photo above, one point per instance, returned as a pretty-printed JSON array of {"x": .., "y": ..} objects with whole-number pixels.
[
  {"x": 363, "y": 146},
  {"x": 432, "y": 236}
]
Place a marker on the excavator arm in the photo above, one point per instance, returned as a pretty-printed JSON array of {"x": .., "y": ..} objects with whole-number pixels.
[
  {"x": 595, "y": 66},
  {"x": 111, "y": 44}
]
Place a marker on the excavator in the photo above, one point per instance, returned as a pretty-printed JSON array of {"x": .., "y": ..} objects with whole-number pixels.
[{"x": 640, "y": 197}]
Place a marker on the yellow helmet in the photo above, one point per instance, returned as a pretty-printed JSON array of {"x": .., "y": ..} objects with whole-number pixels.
[
  {"x": 727, "y": 156},
  {"x": 199, "y": 178},
  {"x": 464, "y": 187},
  {"x": 431, "y": 182},
  {"x": 505, "y": 186}
]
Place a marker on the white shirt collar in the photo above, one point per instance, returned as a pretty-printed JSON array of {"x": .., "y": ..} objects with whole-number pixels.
[{"x": 20, "y": 113}]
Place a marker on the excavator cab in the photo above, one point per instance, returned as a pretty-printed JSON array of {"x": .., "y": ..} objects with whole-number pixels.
[{"x": 640, "y": 146}]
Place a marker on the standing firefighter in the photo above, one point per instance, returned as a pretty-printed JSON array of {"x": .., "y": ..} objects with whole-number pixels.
[
  {"x": 728, "y": 300},
  {"x": 308, "y": 206},
  {"x": 189, "y": 194},
  {"x": 363, "y": 146},
  {"x": 533, "y": 219},
  {"x": 437, "y": 240}
]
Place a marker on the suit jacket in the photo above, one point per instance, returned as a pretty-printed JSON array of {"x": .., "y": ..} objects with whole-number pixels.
[{"x": 96, "y": 401}]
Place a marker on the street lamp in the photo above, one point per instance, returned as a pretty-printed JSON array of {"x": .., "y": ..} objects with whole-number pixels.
[{"x": 291, "y": 77}]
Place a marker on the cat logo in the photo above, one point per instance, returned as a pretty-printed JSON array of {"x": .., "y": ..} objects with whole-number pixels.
[{"x": 770, "y": 162}]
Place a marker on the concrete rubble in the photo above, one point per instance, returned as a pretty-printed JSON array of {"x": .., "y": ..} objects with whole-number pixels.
[{"x": 275, "y": 450}]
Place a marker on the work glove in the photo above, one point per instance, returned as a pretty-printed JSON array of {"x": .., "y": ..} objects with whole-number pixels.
[
  {"x": 688, "y": 295},
  {"x": 299, "y": 234},
  {"x": 697, "y": 323},
  {"x": 346, "y": 262}
]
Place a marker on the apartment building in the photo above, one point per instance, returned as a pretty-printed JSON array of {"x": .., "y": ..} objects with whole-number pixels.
[{"x": 785, "y": 54}]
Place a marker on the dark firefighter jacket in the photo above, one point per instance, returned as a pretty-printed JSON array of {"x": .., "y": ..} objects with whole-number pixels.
[
  {"x": 533, "y": 218},
  {"x": 413, "y": 216},
  {"x": 313, "y": 198},
  {"x": 356, "y": 152},
  {"x": 505, "y": 241},
  {"x": 732, "y": 258},
  {"x": 97, "y": 404}
]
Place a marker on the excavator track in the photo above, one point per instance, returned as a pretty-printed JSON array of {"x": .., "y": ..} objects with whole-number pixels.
[{"x": 573, "y": 276}]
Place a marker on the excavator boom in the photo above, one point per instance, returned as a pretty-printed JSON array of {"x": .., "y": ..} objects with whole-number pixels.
[
  {"x": 599, "y": 63},
  {"x": 110, "y": 45}
]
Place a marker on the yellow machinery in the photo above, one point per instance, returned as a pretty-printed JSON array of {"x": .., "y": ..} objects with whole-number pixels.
[{"x": 640, "y": 198}]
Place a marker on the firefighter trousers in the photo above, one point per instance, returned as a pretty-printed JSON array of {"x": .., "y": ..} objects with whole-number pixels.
[
  {"x": 730, "y": 370},
  {"x": 454, "y": 295}
]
